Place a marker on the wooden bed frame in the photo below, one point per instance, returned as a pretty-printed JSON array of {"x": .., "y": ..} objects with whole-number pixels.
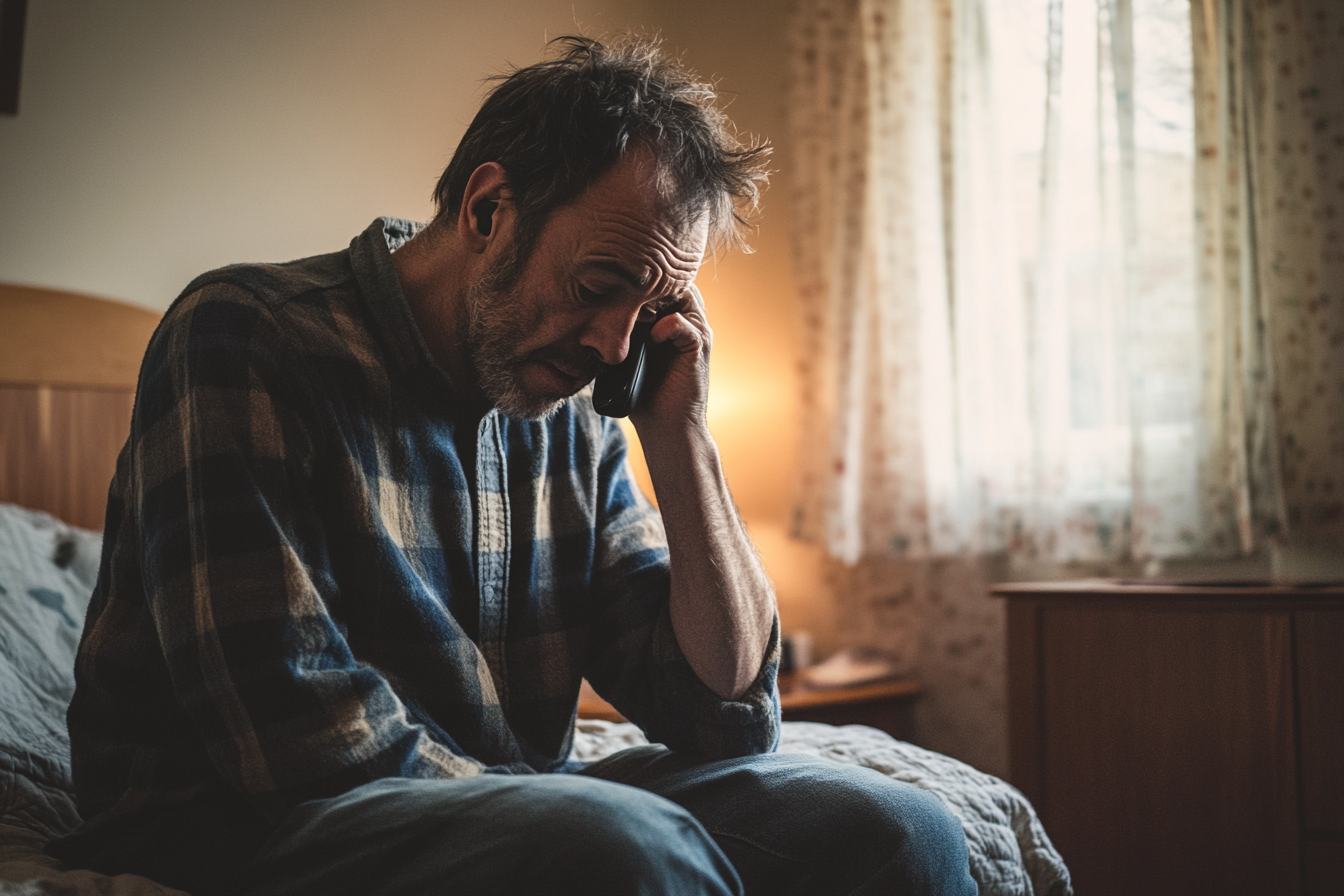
[{"x": 68, "y": 367}]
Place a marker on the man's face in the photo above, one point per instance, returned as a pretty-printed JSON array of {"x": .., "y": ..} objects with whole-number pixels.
[{"x": 540, "y": 328}]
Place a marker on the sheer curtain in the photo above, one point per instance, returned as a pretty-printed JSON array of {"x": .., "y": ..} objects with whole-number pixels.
[{"x": 996, "y": 245}]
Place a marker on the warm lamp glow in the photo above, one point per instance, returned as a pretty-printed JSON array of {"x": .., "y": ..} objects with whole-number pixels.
[{"x": 744, "y": 413}]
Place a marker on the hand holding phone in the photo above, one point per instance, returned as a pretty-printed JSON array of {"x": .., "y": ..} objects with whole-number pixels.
[{"x": 618, "y": 389}]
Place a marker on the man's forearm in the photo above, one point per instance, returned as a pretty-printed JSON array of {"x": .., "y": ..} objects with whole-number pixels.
[{"x": 723, "y": 606}]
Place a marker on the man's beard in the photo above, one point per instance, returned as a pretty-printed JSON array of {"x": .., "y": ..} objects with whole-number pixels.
[{"x": 496, "y": 326}]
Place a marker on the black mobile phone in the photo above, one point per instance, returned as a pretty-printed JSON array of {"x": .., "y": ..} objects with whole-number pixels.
[{"x": 618, "y": 388}]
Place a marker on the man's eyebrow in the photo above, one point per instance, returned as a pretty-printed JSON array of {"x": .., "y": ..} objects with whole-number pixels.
[{"x": 628, "y": 276}]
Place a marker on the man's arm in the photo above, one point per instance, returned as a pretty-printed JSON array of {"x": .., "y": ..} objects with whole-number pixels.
[{"x": 722, "y": 603}]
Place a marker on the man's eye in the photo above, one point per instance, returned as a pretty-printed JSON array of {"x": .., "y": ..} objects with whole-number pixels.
[{"x": 590, "y": 295}]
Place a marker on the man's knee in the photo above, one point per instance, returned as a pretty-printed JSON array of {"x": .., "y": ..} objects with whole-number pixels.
[
  {"x": 874, "y": 831},
  {"x": 922, "y": 820},
  {"x": 919, "y": 845},
  {"x": 630, "y": 840}
]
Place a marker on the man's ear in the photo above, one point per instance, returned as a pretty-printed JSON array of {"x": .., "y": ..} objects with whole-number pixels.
[
  {"x": 478, "y": 219},
  {"x": 485, "y": 215}
]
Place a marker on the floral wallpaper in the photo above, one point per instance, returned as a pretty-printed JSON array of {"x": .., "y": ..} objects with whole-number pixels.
[{"x": 936, "y": 619}]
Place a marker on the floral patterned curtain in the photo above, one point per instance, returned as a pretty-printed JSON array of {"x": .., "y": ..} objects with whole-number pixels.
[
  {"x": 1271, "y": 200},
  {"x": 1014, "y": 343},
  {"x": 869, "y": 104}
]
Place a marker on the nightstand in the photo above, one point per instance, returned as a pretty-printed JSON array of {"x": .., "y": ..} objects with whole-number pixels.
[{"x": 885, "y": 705}]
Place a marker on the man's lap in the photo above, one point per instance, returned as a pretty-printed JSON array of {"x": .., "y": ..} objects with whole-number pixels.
[
  {"x": 643, "y": 820},
  {"x": 796, "y": 823},
  {"x": 490, "y": 834}
]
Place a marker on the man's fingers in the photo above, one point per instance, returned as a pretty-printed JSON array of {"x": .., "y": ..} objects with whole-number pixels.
[
  {"x": 687, "y": 326},
  {"x": 694, "y": 307},
  {"x": 684, "y": 331}
]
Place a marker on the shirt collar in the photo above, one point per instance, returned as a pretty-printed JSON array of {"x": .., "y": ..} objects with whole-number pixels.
[{"x": 386, "y": 305}]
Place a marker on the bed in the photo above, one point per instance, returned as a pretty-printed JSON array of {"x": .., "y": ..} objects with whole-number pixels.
[{"x": 68, "y": 365}]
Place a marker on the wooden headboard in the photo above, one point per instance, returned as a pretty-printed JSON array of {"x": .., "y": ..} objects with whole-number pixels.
[{"x": 68, "y": 365}]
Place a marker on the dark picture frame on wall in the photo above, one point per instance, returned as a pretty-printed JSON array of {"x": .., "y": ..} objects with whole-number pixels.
[{"x": 13, "y": 14}]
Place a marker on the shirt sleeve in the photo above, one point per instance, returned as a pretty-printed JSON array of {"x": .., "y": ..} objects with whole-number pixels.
[
  {"x": 236, "y": 569},
  {"x": 637, "y": 663}
]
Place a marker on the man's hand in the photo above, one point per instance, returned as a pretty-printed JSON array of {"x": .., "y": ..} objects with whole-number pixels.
[
  {"x": 723, "y": 606},
  {"x": 681, "y": 398}
]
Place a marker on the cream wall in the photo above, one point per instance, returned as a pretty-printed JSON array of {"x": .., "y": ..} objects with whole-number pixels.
[{"x": 158, "y": 139}]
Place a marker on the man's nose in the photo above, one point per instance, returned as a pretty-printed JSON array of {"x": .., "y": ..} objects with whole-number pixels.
[{"x": 608, "y": 333}]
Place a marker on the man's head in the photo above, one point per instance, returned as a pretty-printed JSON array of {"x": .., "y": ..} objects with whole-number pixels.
[
  {"x": 557, "y": 126},
  {"x": 539, "y": 327},
  {"x": 583, "y": 196}
]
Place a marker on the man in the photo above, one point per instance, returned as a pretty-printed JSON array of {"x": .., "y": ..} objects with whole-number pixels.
[{"x": 368, "y": 534}]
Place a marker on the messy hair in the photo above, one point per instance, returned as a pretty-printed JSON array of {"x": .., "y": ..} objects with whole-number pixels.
[{"x": 557, "y": 126}]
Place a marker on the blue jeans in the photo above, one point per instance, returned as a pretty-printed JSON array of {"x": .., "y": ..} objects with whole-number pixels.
[{"x": 643, "y": 821}]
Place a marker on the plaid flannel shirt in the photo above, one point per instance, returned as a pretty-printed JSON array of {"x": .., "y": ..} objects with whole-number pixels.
[{"x": 320, "y": 570}]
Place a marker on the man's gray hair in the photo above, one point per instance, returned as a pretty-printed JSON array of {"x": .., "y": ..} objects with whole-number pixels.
[{"x": 558, "y": 125}]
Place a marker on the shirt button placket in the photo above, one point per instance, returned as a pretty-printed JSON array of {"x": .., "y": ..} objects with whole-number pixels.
[{"x": 492, "y": 545}]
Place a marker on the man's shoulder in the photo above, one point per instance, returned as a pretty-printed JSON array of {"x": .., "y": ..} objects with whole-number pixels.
[
  {"x": 312, "y": 302},
  {"x": 277, "y": 285}
]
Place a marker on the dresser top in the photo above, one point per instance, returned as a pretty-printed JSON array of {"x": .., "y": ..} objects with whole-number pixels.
[{"x": 1222, "y": 589}]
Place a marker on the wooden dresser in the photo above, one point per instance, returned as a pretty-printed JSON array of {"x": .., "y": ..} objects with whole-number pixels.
[{"x": 1182, "y": 738}]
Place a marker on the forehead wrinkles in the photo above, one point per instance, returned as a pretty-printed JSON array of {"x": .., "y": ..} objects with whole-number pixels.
[{"x": 668, "y": 256}]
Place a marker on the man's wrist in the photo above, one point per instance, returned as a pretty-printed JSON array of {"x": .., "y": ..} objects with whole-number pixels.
[{"x": 678, "y": 450}]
